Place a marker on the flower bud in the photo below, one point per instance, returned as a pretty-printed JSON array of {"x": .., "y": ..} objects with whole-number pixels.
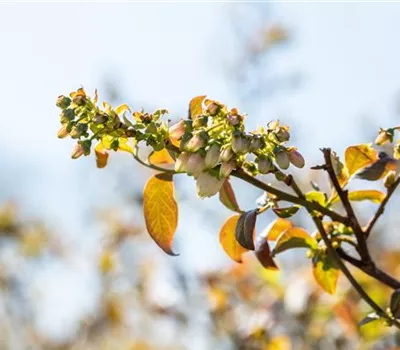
[
  {"x": 181, "y": 162},
  {"x": 79, "y": 100},
  {"x": 212, "y": 156},
  {"x": 234, "y": 119},
  {"x": 226, "y": 154},
  {"x": 389, "y": 179},
  {"x": 63, "y": 132},
  {"x": 63, "y": 102},
  {"x": 86, "y": 145},
  {"x": 77, "y": 151},
  {"x": 256, "y": 143},
  {"x": 200, "y": 121},
  {"x": 100, "y": 118},
  {"x": 79, "y": 130},
  {"x": 195, "y": 164},
  {"x": 146, "y": 118},
  {"x": 384, "y": 137},
  {"x": 198, "y": 140},
  {"x": 282, "y": 133},
  {"x": 296, "y": 158},
  {"x": 240, "y": 144},
  {"x": 208, "y": 185},
  {"x": 67, "y": 115},
  {"x": 265, "y": 165},
  {"x": 273, "y": 124},
  {"x": 282, "y": 159},
  {"x": 213, "y": 108},
  {"x": 177, "y": 130},
  {"x": 226, "y": 168}
]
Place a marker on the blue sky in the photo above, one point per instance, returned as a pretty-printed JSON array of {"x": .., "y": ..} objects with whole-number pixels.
[{"x": 162, "y": 55}]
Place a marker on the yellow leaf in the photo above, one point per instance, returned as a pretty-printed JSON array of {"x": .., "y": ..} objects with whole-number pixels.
[
  {"x": 276, "y": 228},
  {"x": 160, "y": 210},
  {"x": 294, "y": 237},
  {"x": 101, "y": 155},
  {"x": 281, "y": 342},
  {"x": 121, "y": 109},
  {"x": 196, "y": 106},
  {"x": 325, "y": 272},
  {"x": 160, "y": 157},
  {"x": 362, "y": 195},
  {"x": 227, "y": 238},
  {"x": 124, "y": 146},
  {"x": 358, "y": 157},
  {"x": 316, "y": 196}
]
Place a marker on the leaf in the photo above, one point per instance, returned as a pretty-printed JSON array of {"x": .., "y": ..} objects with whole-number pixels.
[
  {"x": 358, "y": 157},
  {"x": 101, "y": 155},
  {"x": 263, "y": 254},
  {"x": 228, "y": 240},
  {"x": 276, "y": 228},
  {"x": 395, "y": 303},
  {"x": 340, "y": 170},
  {"x": 160, "y": 157},
  {"x": 161, "y": 210},
  {"x": 124, "y": 146},
  {"x": 294, "y": 237},
  {"x": 245, "y": 229},
  {"x": 316, "y": 196},
  {"x": 369, "y": 318},
  {"x": 122, "y": 108},
  {"x": 227, "y": 197},
  {"x": 196, "y": 106},
  {"x": 325, "y": 272},
  {"x": 362, "y": 195},
  {"x": 286, "y": 212}
]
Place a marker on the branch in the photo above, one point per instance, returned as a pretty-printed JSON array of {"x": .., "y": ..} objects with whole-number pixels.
[
  {"x": 288, "y": 197},
  {"x": 343, "y": 195},
  {"x": 381, "y": 208}
]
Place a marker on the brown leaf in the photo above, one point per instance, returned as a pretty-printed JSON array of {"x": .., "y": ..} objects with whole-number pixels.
[
  {"x": 227, "y": 197},
  {"x": 263, "y": 253},
  {"x": 245, "y": 229}
]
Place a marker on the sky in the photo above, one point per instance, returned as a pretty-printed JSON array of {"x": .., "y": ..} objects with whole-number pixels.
[{"x": 161, "y": 55}]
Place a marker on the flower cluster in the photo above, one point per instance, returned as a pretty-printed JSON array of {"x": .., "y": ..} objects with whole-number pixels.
[{"x": 208, "y": 145}]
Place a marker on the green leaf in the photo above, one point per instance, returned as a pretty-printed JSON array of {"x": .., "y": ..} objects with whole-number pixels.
[
  {"x": 362, "y": 195},
  {"x": 325, "y": 272},
  {"x": 316, "y": 196},
  {"x": 196, "y": 107},
  {"x": 245, "y": 229},
  {"x": 286, "y": 212},
  {"x": 294, "y": 237},
  {"x": 228, "y": 198}
]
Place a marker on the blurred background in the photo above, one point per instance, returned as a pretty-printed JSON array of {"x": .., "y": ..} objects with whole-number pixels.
[{"x": 78, "y": 270}]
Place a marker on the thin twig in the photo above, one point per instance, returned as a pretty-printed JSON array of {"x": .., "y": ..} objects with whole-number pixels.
[{"x": 381, "y": 208}]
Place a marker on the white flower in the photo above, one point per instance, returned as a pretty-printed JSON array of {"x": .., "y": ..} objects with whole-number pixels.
[
  {"x": 177, "y": 130},
  {"x": 181, "y": 162},
  {"x": 265, "y": 165},
  {"x": 226, "y": 154},
  {"x": 212, "y": 156},
  {"x": 208, "y": 185},
  {"x": 195, "y": 164},
  {"x": 226, "y": 168}
]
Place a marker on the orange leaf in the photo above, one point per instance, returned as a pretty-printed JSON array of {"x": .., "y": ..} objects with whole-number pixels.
[
  {"x": 276, "y": 228},
  {"x": 196, "y": 106},
  {"x": 228, "y": 240},
  {"x": 160, "y": 157},
  {"x": 227, "y": 197},
  {"x": 101, "y": 155},
  {"x": 161, "y": 210},
  {"x": 358, "y": 157}
]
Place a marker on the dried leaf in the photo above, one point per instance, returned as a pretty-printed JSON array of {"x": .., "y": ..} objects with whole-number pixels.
[
  {"x": 263, "y": 253},
  {"x": 358, "y": 157},
  {"x": 227, "y": 197},
  {"x": 245, "y": 229},
  {"x": 227, "y": 238},
  {"x": 161, "y": 210}
]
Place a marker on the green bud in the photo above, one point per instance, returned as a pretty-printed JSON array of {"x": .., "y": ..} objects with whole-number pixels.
[
  {"x": 282, "y": 133},
  {"x": 86, "y": 145},
  {"x": 226, "y": 168},
  {"x": 280, "y": 176},
  {"x": 384, "y": 136},
  {"x": 226, "y": 154},
  {"x": 212, "y": 156},
  {"x": 115, "y": 145},
  {"x": 79, "y": 130},
  {"x": 67, "y": 115},
  {"x": 296, "y": 158},
  {"x": 200, "y": 121},
  {"x": 282, "y": 159},
  {"x": 63, "y": 102},
  {"x": 265, "y": 165},
  {"x": 257, "y": 142},
  {"x": 100, "y": 118}
]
